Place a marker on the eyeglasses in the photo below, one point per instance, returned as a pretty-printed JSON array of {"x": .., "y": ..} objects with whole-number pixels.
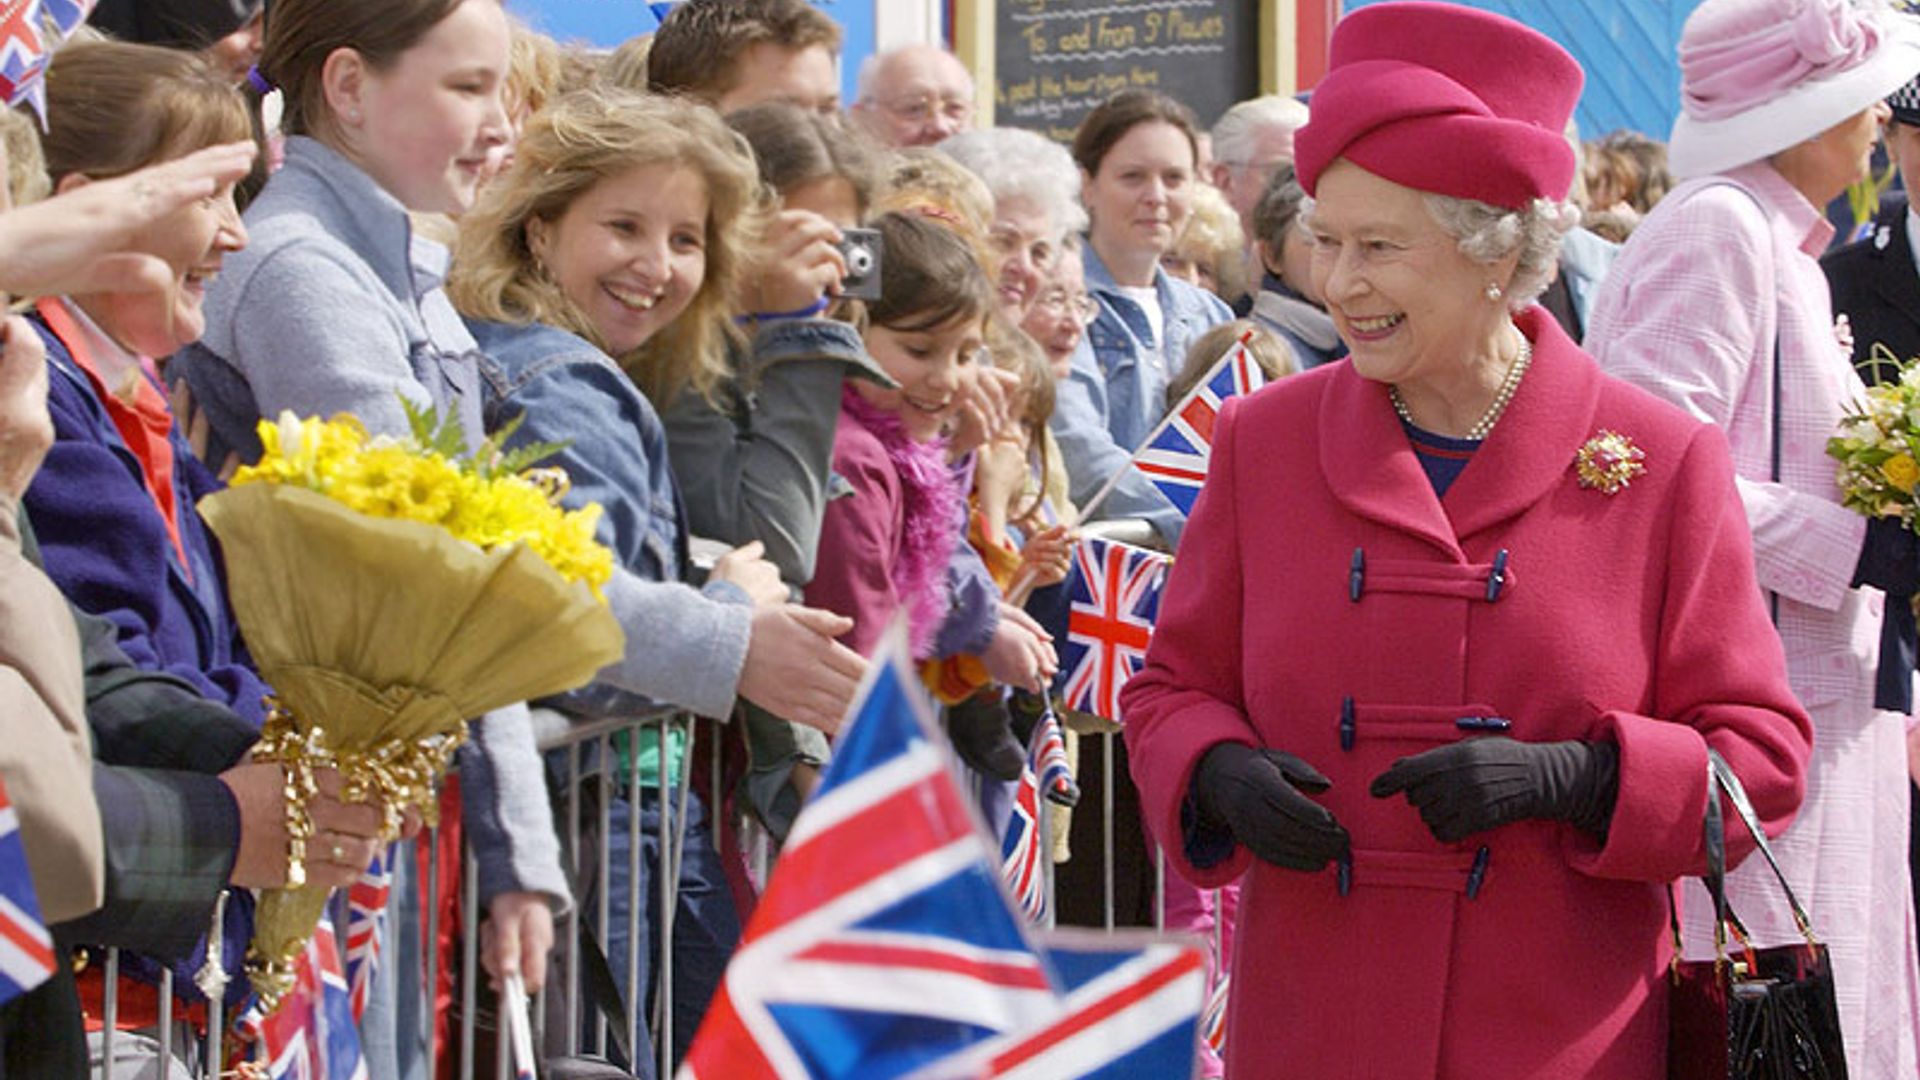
[
  {"x": 922, "y": 109},
  {"x": 1060, "y": 302}
]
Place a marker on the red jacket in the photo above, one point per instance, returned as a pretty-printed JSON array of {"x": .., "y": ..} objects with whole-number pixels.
[{"x": 1631, "y": 617}]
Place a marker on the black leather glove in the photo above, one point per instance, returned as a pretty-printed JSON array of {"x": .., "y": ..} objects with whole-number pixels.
[
  {"x": 982, "y": 735},
  {"x": 1256, "y": 796},
  {"x": 1889, "y": 558},
  {"x": 1480, "y": 784}
]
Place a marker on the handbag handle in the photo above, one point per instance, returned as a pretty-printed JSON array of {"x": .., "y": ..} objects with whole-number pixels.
[{"x": 1720, "y": 777}]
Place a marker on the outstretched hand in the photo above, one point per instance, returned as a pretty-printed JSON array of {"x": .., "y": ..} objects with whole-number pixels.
[
  {"x": 796, "y": 670},
  {"x": 76, "y": 242}
]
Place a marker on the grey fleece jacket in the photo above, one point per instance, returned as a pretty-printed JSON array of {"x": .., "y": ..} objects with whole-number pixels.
[{"x": 335, "y": 306}]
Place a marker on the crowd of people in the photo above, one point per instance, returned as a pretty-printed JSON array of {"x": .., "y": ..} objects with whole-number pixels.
[{"x": 1458, "y": 617}]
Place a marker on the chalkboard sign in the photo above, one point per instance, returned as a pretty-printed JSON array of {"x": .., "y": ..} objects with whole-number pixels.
[{"x": 1054, "y": 60}]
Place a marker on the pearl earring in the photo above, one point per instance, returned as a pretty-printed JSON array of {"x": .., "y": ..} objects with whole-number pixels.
[{"x": 1494, "y": 292}]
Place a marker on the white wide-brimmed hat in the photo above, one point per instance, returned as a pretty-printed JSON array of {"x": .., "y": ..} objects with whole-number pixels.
[{"x": 1758, "y": 76}]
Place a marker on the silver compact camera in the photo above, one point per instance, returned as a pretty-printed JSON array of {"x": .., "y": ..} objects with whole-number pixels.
[{"x": 861, "y": 249}]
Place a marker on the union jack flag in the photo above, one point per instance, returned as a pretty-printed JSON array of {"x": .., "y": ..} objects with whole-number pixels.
[
  {"x": 67, "y": 15},
  {"x": 312, "y": 1035},
  {"x": 1174, "y": 458},
  {"x": 26, "y": 949},
  {"x": 23, "y": 55},
  {"x": 884, "y": 948},
  {"x": 366, "y": 926},
  {"x": 883, "y": 942},
  {"x": 1023, "y": 851},
  {"x": 1114, "y": 591},
  {"x": 1050, "y": 749},
  {"x": 1132, "y": 1002}
]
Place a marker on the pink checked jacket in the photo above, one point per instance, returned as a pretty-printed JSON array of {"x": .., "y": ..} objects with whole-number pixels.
[
  {"x": 1326, "y": 603},
  {"x": 1722, "y": 269}
]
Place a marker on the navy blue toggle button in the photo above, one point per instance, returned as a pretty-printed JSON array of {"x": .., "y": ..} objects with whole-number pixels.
[
  {"x": 1483, "y": 723},
  {"x": 1348, "y": 730},
  {"x": 1497, "y": 577},
  {"x": 1356, "y": 574},
  {"x": 1477, "y": 876}
]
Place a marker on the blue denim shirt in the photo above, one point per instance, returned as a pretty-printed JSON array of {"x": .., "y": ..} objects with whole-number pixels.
[
  {"x": 1120, "y": 338},
  {"x": 1104, "y": 410},
  {"x": 685, "y": 646},
  {"x": 566, "y": 390}
]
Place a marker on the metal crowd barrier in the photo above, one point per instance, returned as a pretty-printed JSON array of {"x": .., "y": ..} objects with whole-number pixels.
[{"x": 588, "y": 752}]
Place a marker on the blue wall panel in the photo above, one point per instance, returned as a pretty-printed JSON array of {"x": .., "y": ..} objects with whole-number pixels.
[{"x": 1628, "y": 48}]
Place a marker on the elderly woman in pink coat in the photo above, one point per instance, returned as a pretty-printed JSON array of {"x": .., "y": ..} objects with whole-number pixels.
[
  {"x": 1718, "y": 305},
  {"x": 1454, "y": 623}
]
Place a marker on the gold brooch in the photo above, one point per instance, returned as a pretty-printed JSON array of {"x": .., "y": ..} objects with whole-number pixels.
[{"x": 1609, "y": 461}]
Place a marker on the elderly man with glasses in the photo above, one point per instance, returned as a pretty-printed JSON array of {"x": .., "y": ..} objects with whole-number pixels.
[{"x": 916, "y": 95}]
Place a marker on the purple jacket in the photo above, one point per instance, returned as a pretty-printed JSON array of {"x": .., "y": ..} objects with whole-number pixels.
[{"x": 106, "y": 545}]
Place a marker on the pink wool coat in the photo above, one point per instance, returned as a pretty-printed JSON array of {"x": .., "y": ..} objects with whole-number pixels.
[{"x": 1632, "y": 618}]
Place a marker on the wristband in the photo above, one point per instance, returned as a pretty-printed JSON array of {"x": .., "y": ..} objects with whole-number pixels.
[{"x": 807, "y": 312}]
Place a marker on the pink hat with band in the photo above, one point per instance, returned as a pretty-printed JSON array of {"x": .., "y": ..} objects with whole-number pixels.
[
  {"x": 1758, "y": 76},
  {"x": 1445, "y": 99}
]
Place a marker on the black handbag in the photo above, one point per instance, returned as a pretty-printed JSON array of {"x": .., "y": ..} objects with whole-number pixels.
[{"x": 1754, "y": 1014}]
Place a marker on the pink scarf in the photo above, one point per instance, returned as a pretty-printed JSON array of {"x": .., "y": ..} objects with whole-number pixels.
[{"x": 930, "y": 517}]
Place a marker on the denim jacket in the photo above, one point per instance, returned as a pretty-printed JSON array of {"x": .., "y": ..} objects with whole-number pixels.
[
  {"x": 685, "y": 647},
  {"x": 1136, "y": 389},
  {"x": 1113, "y": 398}
]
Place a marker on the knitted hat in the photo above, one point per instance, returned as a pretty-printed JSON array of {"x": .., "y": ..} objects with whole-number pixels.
[
  {"x": 1444, "y": 99},
  {"x": 1758, "y": 76}
]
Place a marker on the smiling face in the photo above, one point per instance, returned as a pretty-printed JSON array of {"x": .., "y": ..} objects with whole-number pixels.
[
  {"x": 1058, "y": 318},
  {"x": 1412, "y": 308},
  {"x": 1023, "y": 236},
  {"x": 932, "y": 367},
  {"x": 630, "y": 252},
  {"x": 1143, "y": 193},
  {"x": 425, "y": 126},
  {"x": 192, "y": 241}
]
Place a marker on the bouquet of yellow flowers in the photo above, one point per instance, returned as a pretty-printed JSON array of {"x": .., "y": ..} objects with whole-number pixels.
[
  {"x": 389, "y": 589},
  {"x": 1878, "y": 445}
]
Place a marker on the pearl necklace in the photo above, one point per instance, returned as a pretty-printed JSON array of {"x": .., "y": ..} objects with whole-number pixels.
[{"x": 1501, "y": 396}]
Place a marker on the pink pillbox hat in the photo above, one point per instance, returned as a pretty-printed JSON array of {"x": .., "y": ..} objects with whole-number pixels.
[
  {"x": 1444, "y": 99},
  {"x": 1758, "y": 76}
]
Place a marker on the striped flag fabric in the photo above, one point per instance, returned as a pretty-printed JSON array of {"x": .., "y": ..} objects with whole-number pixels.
[
  {"x": 1130, "y": 1011},
  {"x": 1174, "y": 458},
  {"x": 24, "y": 47},
  {"x": 313, "y": 1034},
  {"x": 67, "y": 15},
  {"x": 1113, "y": 591},
  {"x": 883, "y": 948},
  {"x": 26, "y": 949},
  {"x": 23, "y": 55},
  {"x": 1049, "y": 755},
  {"x": 883, "y": 942},
  {"x": 366, "y": 926},
  {"x": 1023, "y": 850}
]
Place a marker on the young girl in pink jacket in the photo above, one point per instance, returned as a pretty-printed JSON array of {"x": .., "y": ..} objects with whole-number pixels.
[{"x": 885, "y": 541}]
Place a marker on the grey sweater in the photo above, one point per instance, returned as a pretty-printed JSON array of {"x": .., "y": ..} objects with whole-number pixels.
[{"x": 335, "y": 306}]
